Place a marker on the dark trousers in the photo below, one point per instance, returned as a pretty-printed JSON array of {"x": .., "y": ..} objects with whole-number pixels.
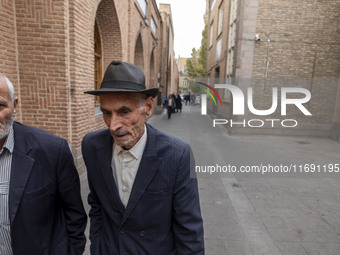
[{"x": 169, "y": 111}]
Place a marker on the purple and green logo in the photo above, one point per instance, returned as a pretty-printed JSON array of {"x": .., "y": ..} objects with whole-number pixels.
[
  {"x": 238, "y": 103},
  {"x": 204, "y": 97}
]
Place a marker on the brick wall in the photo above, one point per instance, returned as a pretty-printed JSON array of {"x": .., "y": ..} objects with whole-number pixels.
[
  {"x": 303, "y": 39},
  {"x": 110, "y": 32},
  {"x": 43, "y": 61},
  {"x": 8, "y": 49},
  {"x": 299, "y": 42},
  {"x": 47, "y": 50},
  {"x": 138, "y": 54}
]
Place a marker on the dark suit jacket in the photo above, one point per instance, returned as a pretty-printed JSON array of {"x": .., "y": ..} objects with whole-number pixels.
[
  {"x": 163, "y": 213},
  {"x": 46, "y": 211}
]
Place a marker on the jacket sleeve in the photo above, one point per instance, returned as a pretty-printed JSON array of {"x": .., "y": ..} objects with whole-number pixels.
[
  {"x": 187, "y": 220},
  {"x": 95, "y": 213},
  {"x": 72, "y": 205},
  {"x": 96, "y": 222}
]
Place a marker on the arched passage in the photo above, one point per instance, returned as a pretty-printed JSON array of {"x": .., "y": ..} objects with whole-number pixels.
[
  {"x": 109, "y": 31},
  {"x": 138, "y": 57}
]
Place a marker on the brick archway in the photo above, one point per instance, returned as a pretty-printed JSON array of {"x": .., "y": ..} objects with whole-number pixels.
[
  {"x": 110, "y": 32},
  {"x": 139, "y": 56}
]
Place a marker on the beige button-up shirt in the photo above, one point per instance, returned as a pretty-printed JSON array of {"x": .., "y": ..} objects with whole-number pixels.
[{"x": 125, "y": 165}]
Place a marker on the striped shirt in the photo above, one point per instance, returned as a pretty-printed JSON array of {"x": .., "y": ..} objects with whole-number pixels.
[{"x": 5, "y": 172}]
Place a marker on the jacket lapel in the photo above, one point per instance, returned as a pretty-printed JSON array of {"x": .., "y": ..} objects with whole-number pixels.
[
  {"x": 146, "y": 171},
  {"x": 104, "y": 155},
  {"x": 21, "y": 168}
]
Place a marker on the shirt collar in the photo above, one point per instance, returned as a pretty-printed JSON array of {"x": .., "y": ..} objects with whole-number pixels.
[
  {"x": 137, "y": 150},
  {"x": 9, "y": 143}
]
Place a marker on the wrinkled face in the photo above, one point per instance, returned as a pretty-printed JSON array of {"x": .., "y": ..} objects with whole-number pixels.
[
  {"x": 125, "y": 114},
  {"x": 6, "y": 111}
]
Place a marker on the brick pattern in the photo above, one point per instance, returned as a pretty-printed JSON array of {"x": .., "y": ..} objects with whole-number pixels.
[
  {"x": 298, "y": 42},
  {"x": 303, "y": 39},
  {"x": 138, "y": 54},
  {"x": 8, "y": 40},
  {"x": 8, "y": 50},
  {"x": 139, "y": 33},
  {"x": 47, "y": 50},
  {"x": 81, "y": 60},
  {"x": 110, "y": 32},
  {"x": 42, "y": 60}
]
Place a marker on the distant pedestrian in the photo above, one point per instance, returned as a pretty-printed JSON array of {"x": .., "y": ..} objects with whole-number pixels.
[
  {"x": 164, "y": 101},
  {"x": 187, "y": 99},
  {"x": 192, "y": 99},
  {"x": 178, "y": 103},
  {"x": 171, "y": 105}
]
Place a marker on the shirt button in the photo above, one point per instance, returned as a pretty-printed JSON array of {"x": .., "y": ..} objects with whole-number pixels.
[
  {"x": 125, "y": 189},
  {"x": 142, "y": 233},
  {"x": 126, "y": 164},
  {"x": 122, "y": 231}
]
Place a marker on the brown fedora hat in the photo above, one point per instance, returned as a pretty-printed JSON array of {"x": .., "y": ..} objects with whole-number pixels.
[{"x": 122, "y": 76}]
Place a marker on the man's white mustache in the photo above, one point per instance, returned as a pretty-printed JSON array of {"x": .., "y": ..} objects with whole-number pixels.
[{"x": 120, "y": 132}]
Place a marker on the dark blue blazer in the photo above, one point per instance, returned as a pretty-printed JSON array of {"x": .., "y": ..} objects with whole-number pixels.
[
  {"x": 163, "y": 213},
  {"x": 46, "y": 212}
]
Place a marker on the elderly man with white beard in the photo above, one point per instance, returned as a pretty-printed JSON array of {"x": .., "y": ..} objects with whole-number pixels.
[{"x": 41, "y": 211}]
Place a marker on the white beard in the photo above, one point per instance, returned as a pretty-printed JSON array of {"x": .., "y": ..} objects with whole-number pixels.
[{"x": 4, "y": 129}]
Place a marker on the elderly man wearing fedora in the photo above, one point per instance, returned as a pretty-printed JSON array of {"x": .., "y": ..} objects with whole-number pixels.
[{"x": 143, "y": 200}]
